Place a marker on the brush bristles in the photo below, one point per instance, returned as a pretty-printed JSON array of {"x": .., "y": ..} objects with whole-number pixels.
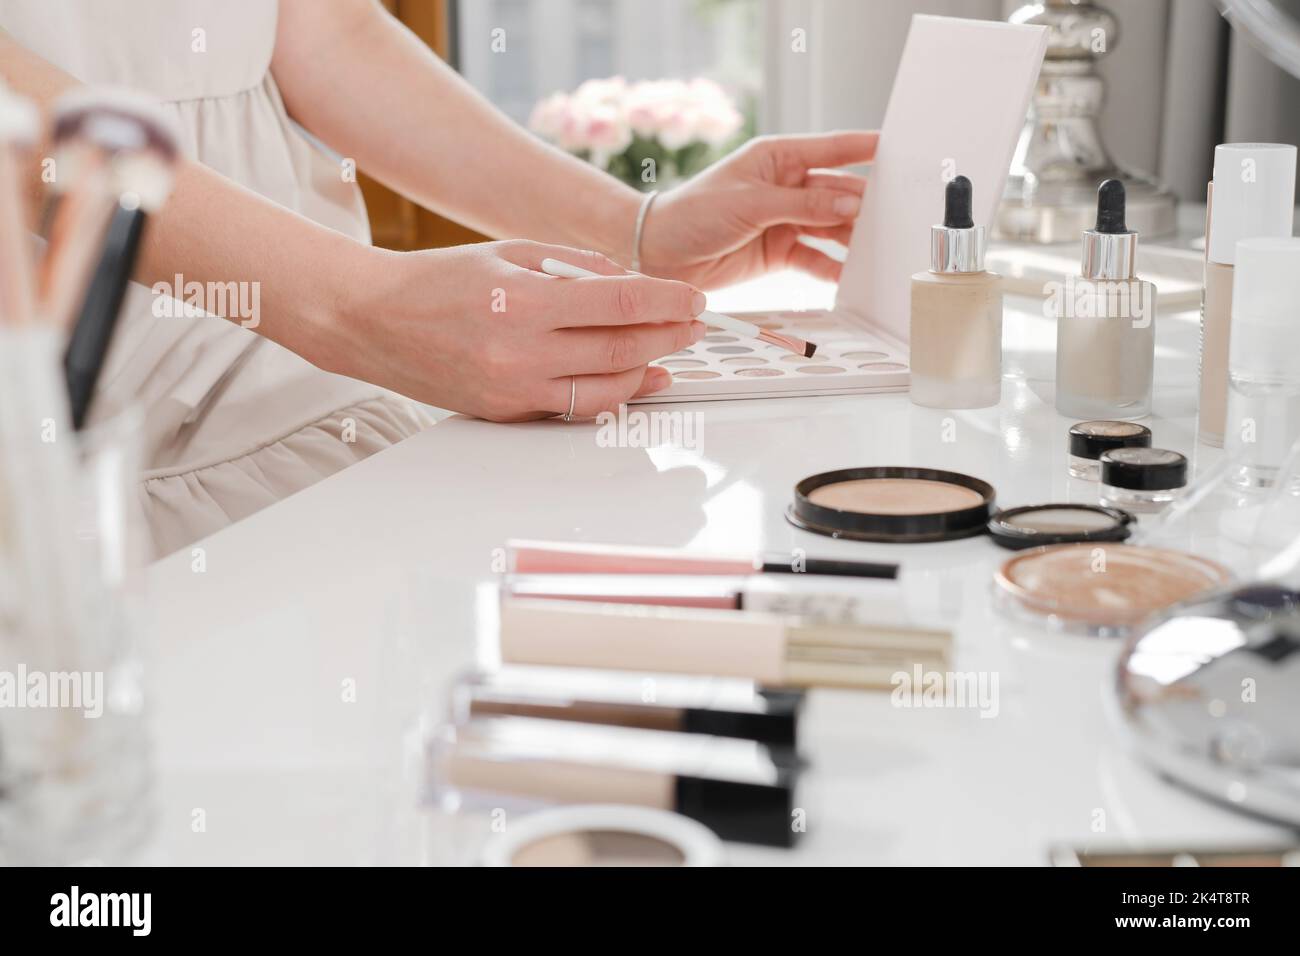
[{"x": 788, "y": 342}]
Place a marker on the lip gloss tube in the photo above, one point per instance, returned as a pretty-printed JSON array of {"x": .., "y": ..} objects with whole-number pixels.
[{"x": 554, "y": 557}]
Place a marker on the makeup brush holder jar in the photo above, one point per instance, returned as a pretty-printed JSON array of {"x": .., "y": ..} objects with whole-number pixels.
[{"x": 75, "y": 773}]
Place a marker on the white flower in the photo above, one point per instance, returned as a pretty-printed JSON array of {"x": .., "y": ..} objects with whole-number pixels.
[
  {"x": 601, "y": 116},
  {"x": 606, "y": 133},
  {"x": 547, "y": 119}
]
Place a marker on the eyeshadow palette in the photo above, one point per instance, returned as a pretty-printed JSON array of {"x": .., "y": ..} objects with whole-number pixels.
[{"x": 849, "y": 360}]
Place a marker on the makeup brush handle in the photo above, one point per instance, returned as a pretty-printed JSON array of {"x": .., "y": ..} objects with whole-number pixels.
[
  {"x": 730, "y": 323},
  {"x": 93, "y": 332},
  {"x": 565, "y": 270}
]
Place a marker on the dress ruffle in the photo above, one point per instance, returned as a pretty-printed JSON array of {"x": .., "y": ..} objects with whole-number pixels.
[{"x": 182, "y": 507}]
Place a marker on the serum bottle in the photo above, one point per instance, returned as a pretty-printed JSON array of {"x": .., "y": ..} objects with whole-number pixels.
[
  {"x": 956, "y": 325},
  {"x": 1105, "y": 322}
]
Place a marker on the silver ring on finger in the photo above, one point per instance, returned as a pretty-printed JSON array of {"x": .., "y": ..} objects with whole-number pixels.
[{"x": 573, "y": 397}]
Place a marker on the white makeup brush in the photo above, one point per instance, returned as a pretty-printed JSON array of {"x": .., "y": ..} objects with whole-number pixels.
[{"x": 563, "y": 270}]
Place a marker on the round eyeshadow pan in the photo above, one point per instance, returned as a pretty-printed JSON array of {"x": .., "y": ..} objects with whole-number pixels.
[
  {"x": 730, "y": 349},
  {"x": 683, "y": 363},
  {"x": 744, "y": 360},
  {"x": 697, "y": 374},
  {"x": 720, "y": 338},
  {"x": 759, "y": 372},
  {"x": 799, "y": 358},
  {"x": 820, "y": 369},
  {"x": 864, "y": 356},
  {"x": 884, "y": 367}
]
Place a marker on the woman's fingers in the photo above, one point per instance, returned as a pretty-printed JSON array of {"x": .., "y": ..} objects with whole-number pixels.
[
  {"x": 593, "y": 394},
  {"x": 826, "y": 150},
  {"x": 815, "y": 263},
  {"x": 845, "y": 182},
  {"x": 620, "y": 300},
  {"x": 778, "y": 205},
  {"x": 619, "y": 348},
  {"x": 656, "y": 379},
  {"x": 840, "y": 234},
  {"x": 530, "y": 256}
]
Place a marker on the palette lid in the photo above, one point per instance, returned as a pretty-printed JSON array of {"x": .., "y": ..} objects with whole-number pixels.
[{"x": 974, "y": 134}]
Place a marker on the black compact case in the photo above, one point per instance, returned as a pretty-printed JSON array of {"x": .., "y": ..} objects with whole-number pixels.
[
  {"x": 1014, "y": 528},
  {"x": 895, "y": 528}
]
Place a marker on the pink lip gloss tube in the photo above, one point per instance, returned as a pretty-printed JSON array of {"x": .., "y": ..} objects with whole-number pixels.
[{"x": 552, "y": 557}]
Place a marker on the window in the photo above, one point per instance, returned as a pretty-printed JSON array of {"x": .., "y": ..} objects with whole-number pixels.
[{"x": 516, "y": 52}]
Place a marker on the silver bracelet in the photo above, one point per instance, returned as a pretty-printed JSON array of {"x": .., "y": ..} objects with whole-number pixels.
[{"x": 641, "y": 213}]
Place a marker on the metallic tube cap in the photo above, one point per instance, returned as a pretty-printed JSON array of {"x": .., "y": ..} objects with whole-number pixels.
[
  {"x": 956, "y": 250},
  {"x": 1109, "y": 255}
]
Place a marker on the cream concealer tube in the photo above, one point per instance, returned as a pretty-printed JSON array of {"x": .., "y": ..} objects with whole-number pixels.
[
  {"x": 766, "y": 648},
  {"x": 741, "y": 789}
]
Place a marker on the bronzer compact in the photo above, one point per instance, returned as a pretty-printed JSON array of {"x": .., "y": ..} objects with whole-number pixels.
[{"x": 892, "y": 504}]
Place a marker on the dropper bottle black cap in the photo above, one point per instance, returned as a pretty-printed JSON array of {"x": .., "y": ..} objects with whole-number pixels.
[
  {"x": 957, "y": 203},
  {"x": 1110, "y": 208},
  {"x": 958, "y": 244},
  {"x": 1110, "y": 248}
]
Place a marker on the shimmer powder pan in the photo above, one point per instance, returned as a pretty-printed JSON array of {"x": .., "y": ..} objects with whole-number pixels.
[
  {"x": 902, "y": 505},
  {"x": 1103, "y": 588},
  {"x": 1034, "y": 526}
]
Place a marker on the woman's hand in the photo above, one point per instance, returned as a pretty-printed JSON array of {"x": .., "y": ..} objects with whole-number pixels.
[
  {"x": 744, "y": 215},
  {"x": 478, "y": 329}
]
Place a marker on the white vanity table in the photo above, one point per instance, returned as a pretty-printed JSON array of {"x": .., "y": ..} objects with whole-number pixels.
[{"x": 288, "y": 675}]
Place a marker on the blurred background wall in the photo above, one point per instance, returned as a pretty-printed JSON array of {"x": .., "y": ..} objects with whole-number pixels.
[{"x": 1179, "y": 80}]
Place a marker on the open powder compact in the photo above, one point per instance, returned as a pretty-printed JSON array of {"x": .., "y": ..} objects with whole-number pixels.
[
  {"x": 1036, "y": 526},
  {"x": 603, "y": 835},
  {"x": 901, "y": 505},
  {"x": 1102, "y": 588}
]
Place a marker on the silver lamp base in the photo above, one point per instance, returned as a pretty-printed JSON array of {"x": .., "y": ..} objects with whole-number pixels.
[
  {"x": 1060, "y": 212},
  {"x": 1051, "y": 191}
]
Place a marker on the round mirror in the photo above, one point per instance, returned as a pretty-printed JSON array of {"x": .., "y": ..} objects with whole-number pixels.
[{"x": 1271, "y": 26}]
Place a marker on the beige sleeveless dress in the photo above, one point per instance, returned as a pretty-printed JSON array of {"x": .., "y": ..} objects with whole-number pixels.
[{"x": 232, "y": 421}]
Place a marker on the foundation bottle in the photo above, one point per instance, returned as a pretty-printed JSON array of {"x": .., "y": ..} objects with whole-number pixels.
[
  {"x": 1252, "y": 196},
  {"x": 956, "y": 324},
  {"x": 1105, "y": 322}
]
